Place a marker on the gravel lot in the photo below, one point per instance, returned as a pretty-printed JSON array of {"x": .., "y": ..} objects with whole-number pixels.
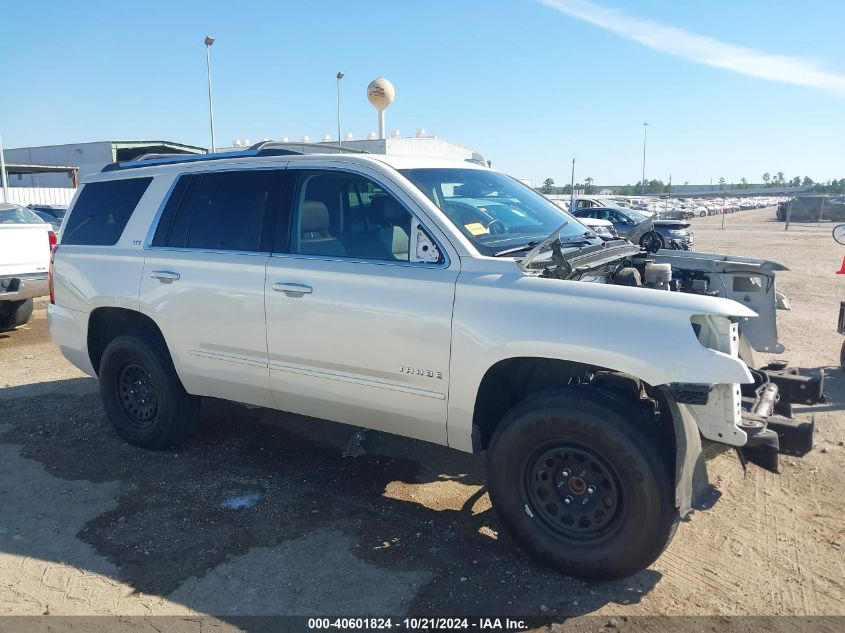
[{"x": 90, "y": 525}]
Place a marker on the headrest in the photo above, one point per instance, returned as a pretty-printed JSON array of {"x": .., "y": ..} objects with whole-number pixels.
[
  {"x": 315, "y": 217},
  {"x": 386, "y": 210}
]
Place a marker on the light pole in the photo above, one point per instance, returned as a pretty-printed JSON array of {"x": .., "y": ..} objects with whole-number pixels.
[
  {"x": 645, "y": 138},
  {"x": 208, "y": 42},
  {"x": 339, "y": 139},
  {"x": 3, "y": 179}
]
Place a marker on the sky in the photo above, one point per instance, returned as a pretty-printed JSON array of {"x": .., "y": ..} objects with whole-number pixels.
[{"x": 729, "y": 89}]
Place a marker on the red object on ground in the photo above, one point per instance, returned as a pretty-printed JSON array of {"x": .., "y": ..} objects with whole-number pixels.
[{"x": 841, "y": 270}]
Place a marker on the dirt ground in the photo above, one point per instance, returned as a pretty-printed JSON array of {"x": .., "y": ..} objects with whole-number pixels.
[{"x": 259, "y": 513}]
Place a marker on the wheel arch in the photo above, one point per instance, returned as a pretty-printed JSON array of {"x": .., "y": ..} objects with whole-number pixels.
[
  {"x": 106, "y": 323},
  {"x": 511, "y": 380}
]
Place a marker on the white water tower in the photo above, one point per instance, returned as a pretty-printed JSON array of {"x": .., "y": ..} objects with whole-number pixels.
[{"x": 380, "y": 93}]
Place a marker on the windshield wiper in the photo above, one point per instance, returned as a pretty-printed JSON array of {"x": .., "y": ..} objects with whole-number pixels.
[
  {"x": 580, "y": 239},
  {"x": 516, "y": 249}
]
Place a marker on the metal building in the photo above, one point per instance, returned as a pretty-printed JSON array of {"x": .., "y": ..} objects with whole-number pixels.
[{"x": 86, "y": 157}]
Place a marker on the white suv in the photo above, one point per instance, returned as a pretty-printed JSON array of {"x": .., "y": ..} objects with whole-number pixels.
[{"x": 434, "y": 299}]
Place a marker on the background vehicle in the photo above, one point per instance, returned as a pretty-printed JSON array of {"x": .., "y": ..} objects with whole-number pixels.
[
  {"x": 57, "y": 212},
  {"x": 603, "y": 228},
  {"x": 25, "y": 242},
  {"x": 811, "y": 208},
  {"x": 52, "y": 220},
  {"x": 428, "y": 298},
  {"x": 625, "y": 221}
]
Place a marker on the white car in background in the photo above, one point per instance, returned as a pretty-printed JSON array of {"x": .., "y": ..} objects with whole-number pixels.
[
  {"x": 603, "y": 228},
  {"x": 25, "y": 244}
]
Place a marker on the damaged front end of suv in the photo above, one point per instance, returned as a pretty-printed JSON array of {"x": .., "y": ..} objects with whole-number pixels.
[{"x": 754, "y": 415}]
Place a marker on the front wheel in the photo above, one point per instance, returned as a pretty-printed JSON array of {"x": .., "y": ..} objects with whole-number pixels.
[{"x": 581, "y": 486}]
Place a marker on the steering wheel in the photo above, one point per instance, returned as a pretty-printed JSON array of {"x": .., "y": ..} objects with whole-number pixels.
[
  {"x": 468, "y": 213},
  {"x": 500, "y": 227}
]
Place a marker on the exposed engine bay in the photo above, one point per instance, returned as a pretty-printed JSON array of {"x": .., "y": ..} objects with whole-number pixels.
[{"x": 766, "y": 403}]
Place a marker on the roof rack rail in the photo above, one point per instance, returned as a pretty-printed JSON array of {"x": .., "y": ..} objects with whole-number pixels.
[
  {"x": 264, "y": 148},
  {"x": 170, "y": 159}
]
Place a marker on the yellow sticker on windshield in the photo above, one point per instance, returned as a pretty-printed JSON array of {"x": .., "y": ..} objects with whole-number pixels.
[{"x": 476, "y": 228}]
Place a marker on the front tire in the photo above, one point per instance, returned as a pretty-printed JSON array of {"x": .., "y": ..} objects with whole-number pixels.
[
  {"x": 142, "y": 394},
  {"x": 582, "y": 485}
]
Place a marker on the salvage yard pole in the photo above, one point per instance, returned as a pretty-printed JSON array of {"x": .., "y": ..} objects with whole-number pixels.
[
  {"x": 572, "y": 185},
  {"x": 3, "y": 177},
  {"x": 788, "y": 214},
  {"x": 208, "y": 42}
]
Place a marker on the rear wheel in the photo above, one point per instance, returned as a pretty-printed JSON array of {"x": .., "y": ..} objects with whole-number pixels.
[
  {"x": 15, "y": 313},
  {"x": 142, "y": 394},
  {"x": 652, "y": 241},
  {"x": 582, "y": 485}
]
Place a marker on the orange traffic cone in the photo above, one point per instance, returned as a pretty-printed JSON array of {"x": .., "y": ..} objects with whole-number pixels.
[{"x": 841, "y": 271}]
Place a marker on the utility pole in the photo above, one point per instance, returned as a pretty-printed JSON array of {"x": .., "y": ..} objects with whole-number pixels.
[
  {"x": 645, "y": 138},
  {"x": 572, "y": 185},
  {"x": 208, "y": 42},
  {"x": 339, "y": 139},
  {"x": 3, "y": 177}
]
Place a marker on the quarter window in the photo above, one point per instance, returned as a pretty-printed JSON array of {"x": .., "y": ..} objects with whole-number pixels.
[{"x": 102, "y": 211}]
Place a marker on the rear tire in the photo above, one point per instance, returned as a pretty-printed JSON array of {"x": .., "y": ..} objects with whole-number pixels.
[
  {"x": 15, "y": 313},
  {"x": 581, "y": 486},
  {"x": 142, "y": 394}
]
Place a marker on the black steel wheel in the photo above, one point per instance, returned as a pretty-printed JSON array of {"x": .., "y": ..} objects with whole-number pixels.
[
  {"x": 137, "y": 394},
  {"x": 584, "y": 482},
  {"x": 142, "y": 394},
  {"x": 574, "y": 491}
]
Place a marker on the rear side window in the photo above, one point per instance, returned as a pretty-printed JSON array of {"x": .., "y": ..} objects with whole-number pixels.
[
  {"x": 102, "y": 211},
  {"x": 228, "y": 211}
]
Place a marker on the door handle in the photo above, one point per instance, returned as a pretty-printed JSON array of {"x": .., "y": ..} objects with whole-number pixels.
[
  {"x": 164, "y": 276},
  {"x": 288, "y": 288}
]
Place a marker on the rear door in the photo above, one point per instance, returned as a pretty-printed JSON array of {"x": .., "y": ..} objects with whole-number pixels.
[
  {"x": 358, "y": 330},
  {"x": 203, "y": 280}
]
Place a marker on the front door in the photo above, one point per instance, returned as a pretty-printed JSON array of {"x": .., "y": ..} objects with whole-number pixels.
[{"x": 358, "y": 331}]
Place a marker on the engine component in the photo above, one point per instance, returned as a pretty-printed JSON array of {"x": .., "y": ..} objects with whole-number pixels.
[
  {"x": 658, "y": 275},
  {"x": 628, "y": 276}
]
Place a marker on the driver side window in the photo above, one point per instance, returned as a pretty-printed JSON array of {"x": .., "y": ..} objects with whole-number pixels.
[{"x": 341, "y": 214}]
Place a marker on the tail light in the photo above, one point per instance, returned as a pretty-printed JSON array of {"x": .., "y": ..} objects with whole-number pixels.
[
  {"x": 53, "y": 247},
  {"x": 53, "y": 239}
]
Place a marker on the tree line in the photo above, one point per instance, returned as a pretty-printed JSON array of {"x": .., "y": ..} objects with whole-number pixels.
[{"x": 659, "y": 187}]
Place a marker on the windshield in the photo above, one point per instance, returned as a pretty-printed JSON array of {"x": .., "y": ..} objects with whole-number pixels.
[
  {"x": 494, "y": 211},
  {"x": 18, "y": 215},
  {"x": 634, "y": 215}
]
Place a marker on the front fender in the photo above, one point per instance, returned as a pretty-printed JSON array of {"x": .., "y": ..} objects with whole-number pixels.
[{"x": 638, "y": 331}]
